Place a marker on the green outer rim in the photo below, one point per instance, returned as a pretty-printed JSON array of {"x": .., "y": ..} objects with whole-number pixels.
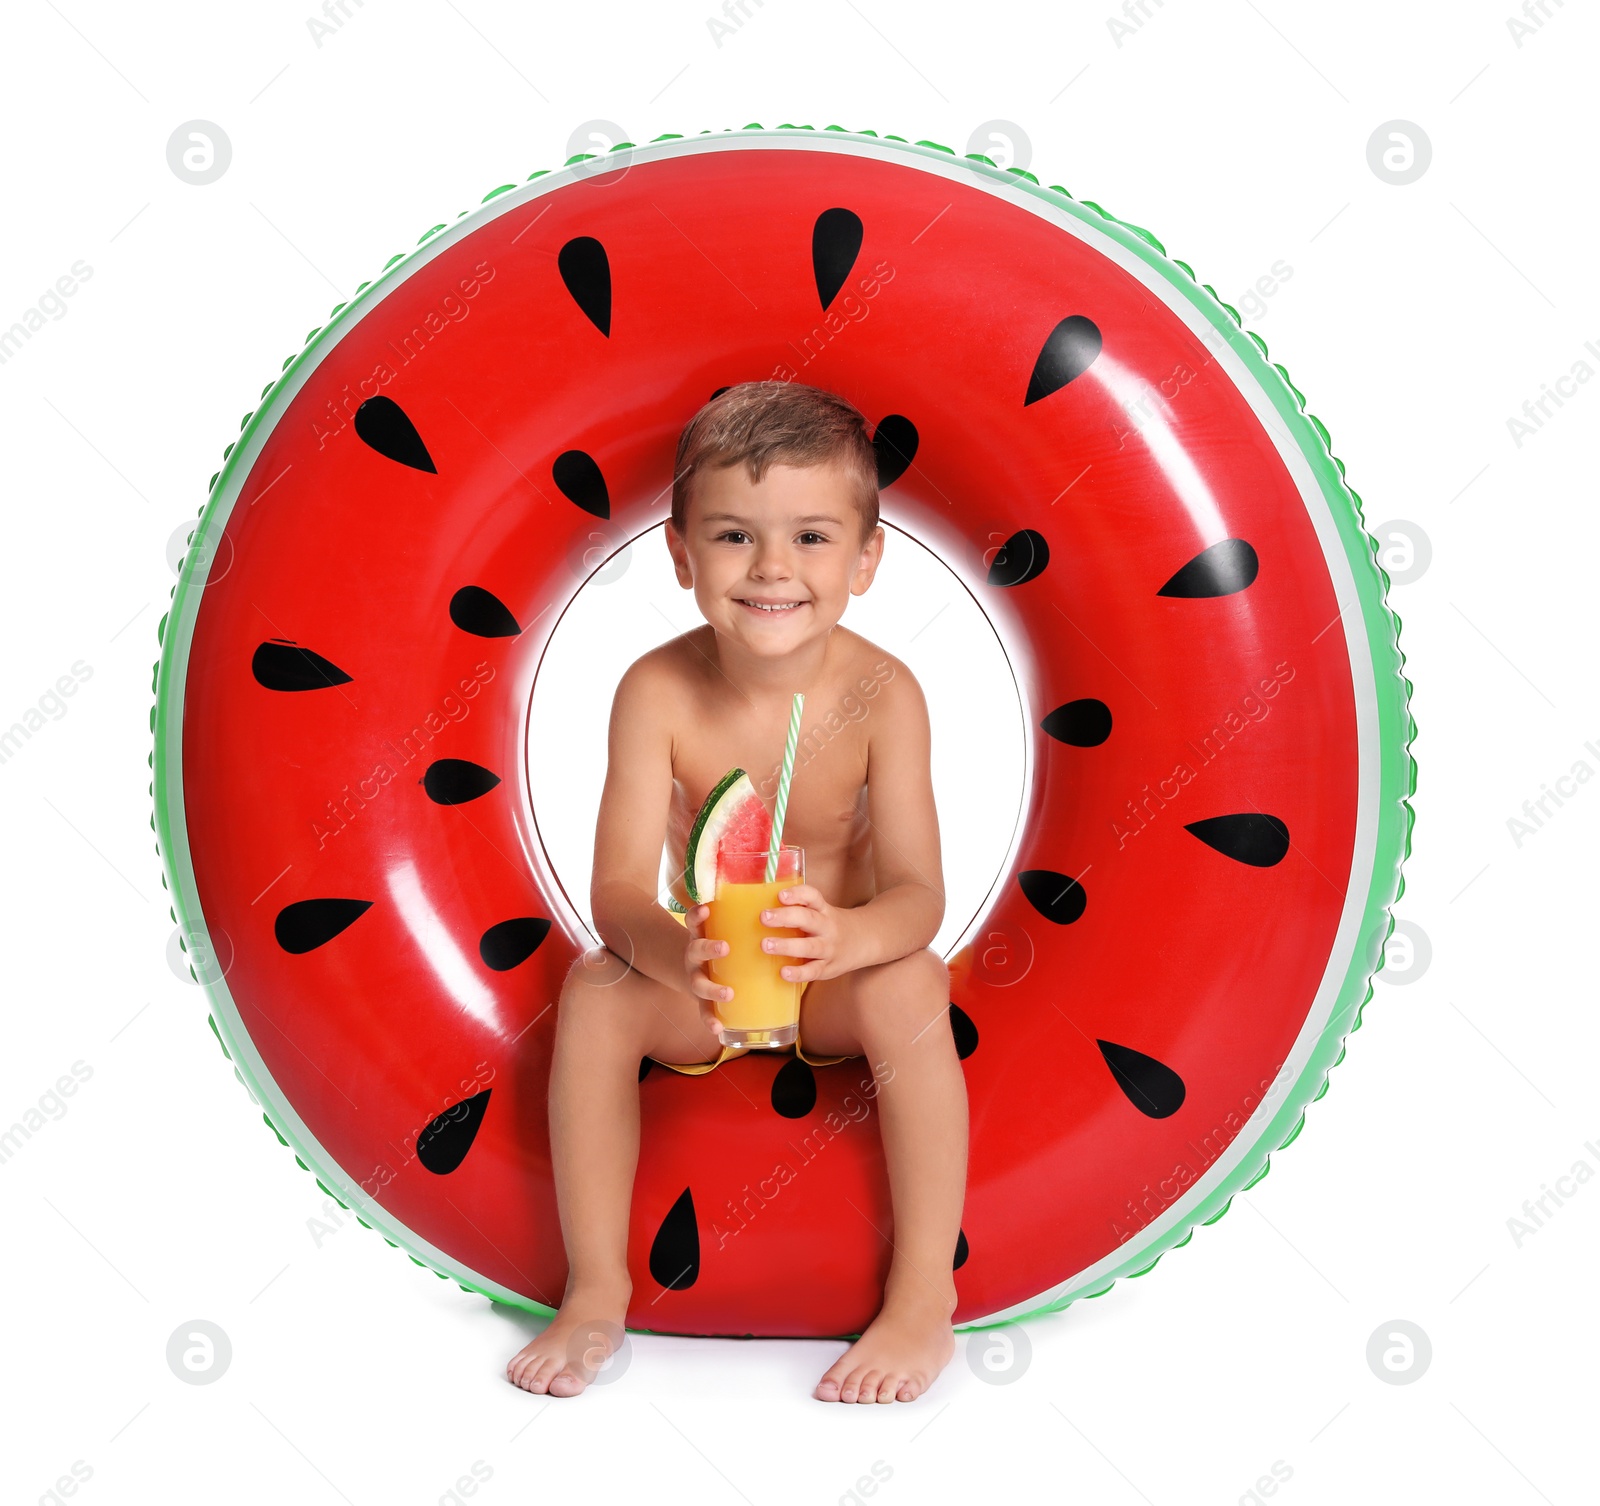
[
  {"x": 702, "y": 816},
  {"x": 1397, "y": 769}
]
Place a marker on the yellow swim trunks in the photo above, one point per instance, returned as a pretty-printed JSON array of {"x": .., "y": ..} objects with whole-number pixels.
[{"x": 695, "y": 1069}]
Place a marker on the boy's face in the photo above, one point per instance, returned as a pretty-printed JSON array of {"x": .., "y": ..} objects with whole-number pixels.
[{"x": 792, "y": 541}]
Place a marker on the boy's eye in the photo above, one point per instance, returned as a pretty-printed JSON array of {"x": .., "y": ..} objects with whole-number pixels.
[
  {"x": 817, "y": 536},
  {"x": 733, "y": 533}
]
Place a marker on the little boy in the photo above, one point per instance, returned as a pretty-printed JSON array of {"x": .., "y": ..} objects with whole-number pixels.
[{"x": 774, "y": 527}]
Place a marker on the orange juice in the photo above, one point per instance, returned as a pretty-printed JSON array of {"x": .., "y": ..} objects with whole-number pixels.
[{"x": 765, "y": 1008}]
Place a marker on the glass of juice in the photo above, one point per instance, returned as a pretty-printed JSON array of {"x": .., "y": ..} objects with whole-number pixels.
[{"x": 764, "y": 1011}]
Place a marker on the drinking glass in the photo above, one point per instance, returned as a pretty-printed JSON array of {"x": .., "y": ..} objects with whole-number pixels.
[{"x": 764, "y": 1011}]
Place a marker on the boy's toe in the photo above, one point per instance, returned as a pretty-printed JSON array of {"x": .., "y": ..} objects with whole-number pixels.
[
  {"x": 565, "y": 1383},
  {"x": 827, "y": 1389},
  {"x": 888, "y": 1386},
  {"x": 867, "y": 1387},
  {"x": 549, "y": 1367}
]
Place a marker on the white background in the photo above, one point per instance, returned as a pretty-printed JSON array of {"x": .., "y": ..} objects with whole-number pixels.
[{"x": 1417, "y": 319}]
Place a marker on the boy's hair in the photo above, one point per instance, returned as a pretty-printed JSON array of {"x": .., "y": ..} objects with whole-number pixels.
[{"x": 758, "y": 423}]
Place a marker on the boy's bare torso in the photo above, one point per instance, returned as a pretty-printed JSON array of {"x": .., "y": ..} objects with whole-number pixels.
[{"x": 715, "y": 727}]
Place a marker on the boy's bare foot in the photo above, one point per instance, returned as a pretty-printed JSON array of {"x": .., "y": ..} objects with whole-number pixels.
[
  {"x": 897, "y": 1358},
  {"x": 563, "y": 1359}
]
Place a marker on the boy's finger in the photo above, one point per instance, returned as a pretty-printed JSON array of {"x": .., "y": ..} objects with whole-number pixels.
[
  {"x": 793, "y": 946},
  {"x": 801, "y": 894},
  {"x": 795, "y": 917}
]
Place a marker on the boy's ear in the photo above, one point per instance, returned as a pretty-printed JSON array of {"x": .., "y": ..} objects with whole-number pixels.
[
  {"x": 867, "y": 562},
  {"x": 680, "y": 557}
]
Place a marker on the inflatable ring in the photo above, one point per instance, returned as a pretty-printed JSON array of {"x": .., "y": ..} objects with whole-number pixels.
[{"x": 1213, "y": 818}]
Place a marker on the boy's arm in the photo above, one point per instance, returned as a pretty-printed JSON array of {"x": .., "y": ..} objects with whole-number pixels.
[
  {"x": 630, "y": 831},
  {"x": 905, "y": 913}
]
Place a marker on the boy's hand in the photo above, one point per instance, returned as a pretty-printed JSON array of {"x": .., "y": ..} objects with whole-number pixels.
[
  {"x": 826, "y": 943},
  {"x": 695, "y": 956}
]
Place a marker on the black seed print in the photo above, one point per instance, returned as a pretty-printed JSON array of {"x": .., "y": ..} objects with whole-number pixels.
[
  {"x": 895, "y": 444},
  {"x": 675, "y": 1251},
  {"x": 1080, "y": 724},
  {"x": 835, "y": 244},
  {"x": 482, "y": 614},
  {"x": 309, "y": 923},
  {"x": 280, "y": 665},
  {"x": 511, "y": 942},
  {"x": 1070, "y": 351},
  {"x": 1152, "y": 1087},
  {"x": 1053, "y": 895},
  {"x": 961, "y": 1250},
  {"x": 579, "y": 478},
  {"x": 794, "y": 1089},
  {"x": 1020, "y": 559},
  {"x": 443, "y": 1144},
  {"x": 964, "y": 1031},
  {"x": 382, "y": 425},
  {"x": 1227, "y": 566},
  {"x": 1250, "y": 837},
  {"x": 586, "y": 270},
  {"x": 454, "y": 781}
]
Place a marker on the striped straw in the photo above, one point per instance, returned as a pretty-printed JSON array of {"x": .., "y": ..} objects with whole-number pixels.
[{"x": 783, "y": 786}]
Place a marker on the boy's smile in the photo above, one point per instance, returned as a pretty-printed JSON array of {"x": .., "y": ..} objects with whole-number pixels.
[{"x": 773, "y": 564}]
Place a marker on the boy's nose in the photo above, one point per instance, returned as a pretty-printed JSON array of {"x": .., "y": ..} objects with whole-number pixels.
[{"x": 772, "y": 563}]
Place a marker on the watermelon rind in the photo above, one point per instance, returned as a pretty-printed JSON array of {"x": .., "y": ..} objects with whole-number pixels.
[{"x": 1397, "y": 768}]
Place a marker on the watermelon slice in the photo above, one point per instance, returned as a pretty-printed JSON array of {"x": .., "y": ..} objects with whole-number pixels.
[
  {"x": 1214, "y": 813},
  {"x": 733, "y": 815}
]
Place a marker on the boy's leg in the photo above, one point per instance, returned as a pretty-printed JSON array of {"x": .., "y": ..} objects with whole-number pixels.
[
  {"x": 609, "y": 1017},
  {"x": 896, "y": 1014}
]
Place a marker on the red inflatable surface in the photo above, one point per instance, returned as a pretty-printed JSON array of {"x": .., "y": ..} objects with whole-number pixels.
[{"x": 422, "y": 499}]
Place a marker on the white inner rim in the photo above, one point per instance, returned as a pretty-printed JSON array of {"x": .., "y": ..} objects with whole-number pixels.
[{"x": 564, "y": 776}]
